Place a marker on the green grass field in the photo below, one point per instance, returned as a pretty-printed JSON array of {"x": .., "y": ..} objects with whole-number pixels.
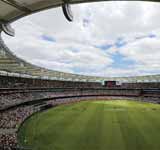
[{"x": 94, "y": 125}]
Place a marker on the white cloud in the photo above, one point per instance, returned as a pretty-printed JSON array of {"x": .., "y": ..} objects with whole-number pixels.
[
  {"x": 145, "y": 52},
  {"x": 74, "y": 47}
]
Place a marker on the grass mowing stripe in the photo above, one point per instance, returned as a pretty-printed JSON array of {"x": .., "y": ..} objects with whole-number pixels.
[
  {"x": 115, "y": 139},
  {"x": 77, "y": 125},
  {"x": 149, "y": 128},
  {"x": 141, "y": 127},
  {"x": 133, "y": 139}
]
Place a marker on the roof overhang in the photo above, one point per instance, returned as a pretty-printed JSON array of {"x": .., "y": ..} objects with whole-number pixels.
[{"x": 11, "y": 10}]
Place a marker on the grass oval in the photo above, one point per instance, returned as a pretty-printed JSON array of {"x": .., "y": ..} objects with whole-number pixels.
[{"x": 94, "y": 125}]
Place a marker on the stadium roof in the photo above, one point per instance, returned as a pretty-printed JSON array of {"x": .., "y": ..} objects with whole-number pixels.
[{"x": 11, "y": 10}]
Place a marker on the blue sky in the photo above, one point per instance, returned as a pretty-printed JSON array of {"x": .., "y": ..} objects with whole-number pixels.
[
  {"x": 105, "y": 39},
  {"x": 48, "y": 38}
]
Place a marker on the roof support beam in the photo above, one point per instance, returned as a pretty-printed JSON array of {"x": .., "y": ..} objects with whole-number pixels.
[{"x": 17, "y": 5}]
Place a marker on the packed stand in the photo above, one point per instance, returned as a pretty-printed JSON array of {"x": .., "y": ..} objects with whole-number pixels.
[
  {"x": 8, "y": 141},
  {"x": 12, "y": 119},
  {"x": 9, "y": 123},
  {"x": 10, "y": 99}
]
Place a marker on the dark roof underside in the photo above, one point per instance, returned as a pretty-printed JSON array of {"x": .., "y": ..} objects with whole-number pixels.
[{"x": 11, "y": 10}]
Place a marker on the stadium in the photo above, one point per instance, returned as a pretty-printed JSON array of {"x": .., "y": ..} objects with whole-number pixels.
[{"x": 43, "y": 109}]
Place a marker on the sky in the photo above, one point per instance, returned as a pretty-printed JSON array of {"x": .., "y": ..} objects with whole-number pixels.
[{"x": 111, "y": 39}]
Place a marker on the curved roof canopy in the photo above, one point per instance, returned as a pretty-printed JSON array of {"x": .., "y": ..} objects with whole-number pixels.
[{"x": 11, "y": 10}]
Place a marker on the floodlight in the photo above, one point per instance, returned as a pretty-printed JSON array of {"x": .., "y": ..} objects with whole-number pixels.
[
  {"x": 8, "y": 29},
  {"x": 67, "y": 12}
]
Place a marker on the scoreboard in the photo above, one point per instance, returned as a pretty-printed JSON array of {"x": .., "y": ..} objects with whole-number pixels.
[{"x": 112, "y": 84}]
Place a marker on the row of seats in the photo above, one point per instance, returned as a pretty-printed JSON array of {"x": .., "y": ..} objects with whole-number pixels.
[
  {"x": 11, "y": 99},
  {"x": 142, "y": 85},
  {"x": 17, "y": 82}
]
